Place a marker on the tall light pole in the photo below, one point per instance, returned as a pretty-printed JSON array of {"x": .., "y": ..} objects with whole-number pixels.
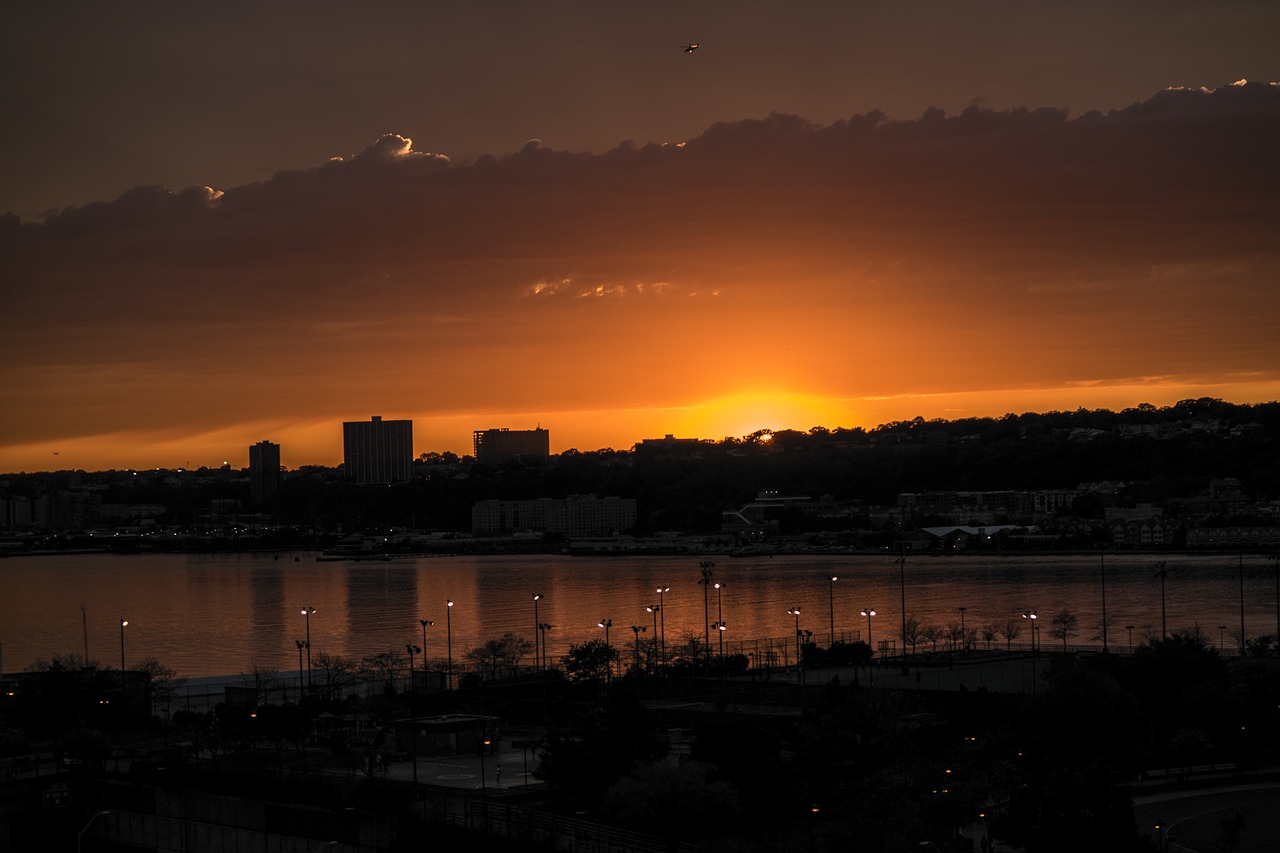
[
  {"x": 123, "y": 622},
  {"x": 301, "y": 644},
  {"x": 662, "y": 601},
  {"x": 902, "y": 591},
  {"x": 1129, "y": 628},
  {"x": 1030, "y": 616},
  {"x": 448, "y": 624},
  {"x": 1162, "y": 573},
  {"x": 964, "y": 638},
  {"x": 720, "y": 626},
  {"x": 413, "y": 720},
  {"x": 1241, "y": 603},
  {"x": 795, "y": 611},
  {"x": 868, "y": 612},
  {"x": 606, "y": 624},
  {"x": 720, "y": 614},
  {"x": 426, "y": 682},
  {"x": 1102, "y": 568},
  {"x": 831, "y": 609},
  {"x": 537, "y": 628},
  {"x": 543, "y": 628},
  {"x": 307, "y": 611},
  {"x": 638, "y": 630},
  {"x": 654, "y": 609},
  {"x": 705, "y": 582}
]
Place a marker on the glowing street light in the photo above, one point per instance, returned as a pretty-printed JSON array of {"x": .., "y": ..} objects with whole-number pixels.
[
  {"x": 795, "y": 611},
  {"x": 831, "y": 609},
  {"x": 655, "y": 609},
  {"x": 306, "y": 612},
  {"x": 448, "y": 624},
  {"x": 426, "y": 683},
  {"x": 662, "y": 591},
  {"x": 123, "y": 622},
  {"x": 705, "y": 582},
  {"x": 537, "y": 626}
]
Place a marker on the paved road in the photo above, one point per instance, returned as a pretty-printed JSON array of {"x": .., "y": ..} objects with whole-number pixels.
[{"x": 1192, "y": 819}]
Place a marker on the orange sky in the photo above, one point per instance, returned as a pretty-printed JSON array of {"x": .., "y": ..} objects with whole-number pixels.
[{"x": 759, "y": 270}]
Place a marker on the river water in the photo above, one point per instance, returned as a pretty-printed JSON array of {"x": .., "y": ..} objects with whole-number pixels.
[{"x": 207, "y": 615}]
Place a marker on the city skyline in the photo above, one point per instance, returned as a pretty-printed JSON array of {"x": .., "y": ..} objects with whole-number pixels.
[{"x": 839, "y": 216}]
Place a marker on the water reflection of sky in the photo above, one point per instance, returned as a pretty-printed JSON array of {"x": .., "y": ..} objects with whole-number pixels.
[{"x": 227, "y": 614}]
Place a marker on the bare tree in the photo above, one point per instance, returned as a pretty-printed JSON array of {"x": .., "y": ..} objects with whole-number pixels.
[
  {"x": 911, "y": 632},
  {"x": 1063, "y": 625},
  {"x": 932, "y": 634},
  {"x": 989, "y": 633},
  {"x": 384, "y": 666},
  {"x": 164, "y": 682},
  {"x": 1010, "y": 630},
  {"x": 505, "y": 651},
  {"x": 955, "y": 635},
  {"x": 333, "y": 673},
  {"x": 264, "y": 681}
]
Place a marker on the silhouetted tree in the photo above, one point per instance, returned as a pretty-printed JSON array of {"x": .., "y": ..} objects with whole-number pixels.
[{"x": 589, "y": 661}]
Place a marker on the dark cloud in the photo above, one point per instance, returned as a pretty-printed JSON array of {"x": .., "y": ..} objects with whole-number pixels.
[{"x": 1159, "y": 215}]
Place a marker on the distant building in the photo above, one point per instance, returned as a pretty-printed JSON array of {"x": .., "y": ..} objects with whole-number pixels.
[
  {"x": 378, "y": 451},
  {"x": 264, "y": 471},
  {"x": 576, "y": 515},
  {"x": 496, "y": 446},
  {"x": 669, "y": 445}
]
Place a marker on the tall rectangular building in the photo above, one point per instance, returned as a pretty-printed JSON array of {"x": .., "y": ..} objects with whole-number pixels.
[
  {"x": 495, "y": 446},
  {"x": 377, "y": 451},
  {"x": 264, "y": 471}
]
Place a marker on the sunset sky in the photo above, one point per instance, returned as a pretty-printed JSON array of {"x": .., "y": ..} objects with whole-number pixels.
[{"x": 241, "y": 221}]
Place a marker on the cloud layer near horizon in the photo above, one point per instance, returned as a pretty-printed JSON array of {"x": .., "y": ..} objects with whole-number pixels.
[{"x": 987, "y": 251}]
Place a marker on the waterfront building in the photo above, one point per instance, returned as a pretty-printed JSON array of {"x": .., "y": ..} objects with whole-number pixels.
[
  {"x": 264, "y": 471},
  {"x": 378, "y": 452},
  {"x": 575, "y": 515},
  {"x": 496, "y": 446}
]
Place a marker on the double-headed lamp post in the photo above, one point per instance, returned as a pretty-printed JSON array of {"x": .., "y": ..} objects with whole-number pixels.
[
  {"x": 448, "y": 624},
  {"x": 537, "y": 628},
  {"x": 638, "y": 630},
  {"x": 306, "y": 612},
  {"x": 705, "y": 582},
  {"x": 831, "y": 608},
  {"x": 654, "y": 609},
  {"x": 662, "y": 601},
  {"x": 413, "y": 720},
  {"x": 123, "y": 622},
  {"x": 868, "y": 612},
  {"x": 795, "y": 612},
  {"x": 606, "y": 624},
  {"x": 426, "y": 684},
  {"x": 301, "y": 644}
]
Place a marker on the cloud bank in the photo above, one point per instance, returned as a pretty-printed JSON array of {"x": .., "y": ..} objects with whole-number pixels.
[{"x": 988, "y": 249}]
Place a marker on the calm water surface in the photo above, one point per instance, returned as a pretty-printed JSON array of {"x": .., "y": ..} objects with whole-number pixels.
[{"x": 215, "y": 615}]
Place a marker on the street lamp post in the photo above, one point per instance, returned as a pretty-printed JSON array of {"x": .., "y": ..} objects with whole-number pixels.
[
  {"x": 869, "y": 613},
  {"x": 654, "y": 609},
  {"x": 705, "y": 582},
  {"x": 1102, "y": 569},
  {"x": 720, "y": 626},
  {"x": 902, "y": 591},
  {"x": 543, "y": 628},
  {"x": 638, "y": 630},
  {"x": 1242, "y": 637},
  {"x": 606, "y": 624},
  {"x": 1030, "y": 615},
  {"x": 662, "y": 592},
  {"x": 123, "y": 622},
  {"x": 1162, "y": 573},
  {"x": 1222, "y": 636},
  {"x": 413, "y": 720},
  {"x": 426, "y": 681},
  {"x": 306, "y": 612},
  {"x": 537, "y": 627},
  {"x": 301, "y": 644},
  {"x": 448, "y": 624},
  {"x": 831, "y": 609},
  {"x": 964, "y": 638},
  {"x": 795, "y": 611},
  {"x": 1129, "y": 628}
]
